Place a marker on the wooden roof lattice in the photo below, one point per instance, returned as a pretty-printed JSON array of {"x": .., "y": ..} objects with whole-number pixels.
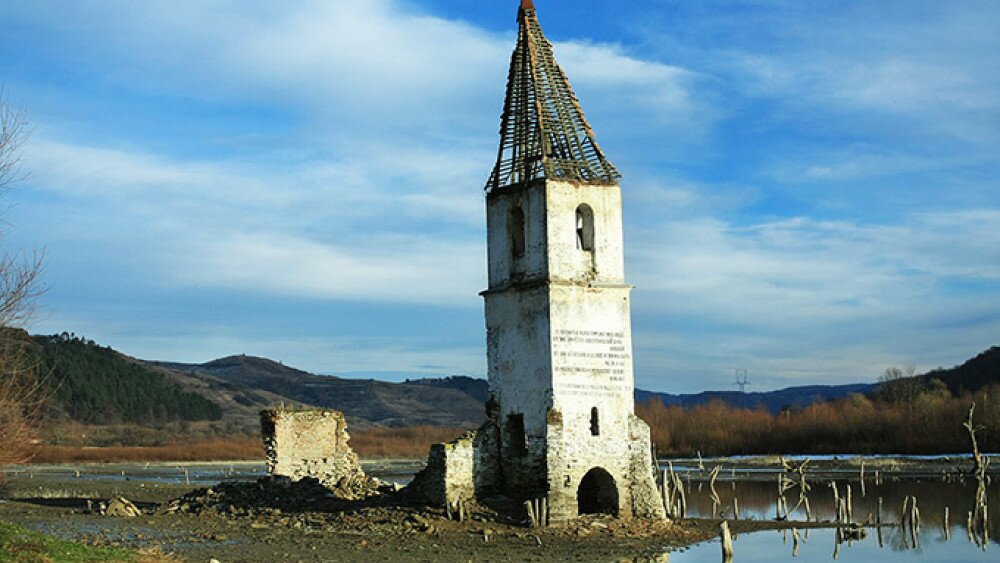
[{"x": 543, "y": 132}]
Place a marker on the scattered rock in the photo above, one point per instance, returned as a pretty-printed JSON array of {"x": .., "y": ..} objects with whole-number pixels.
[{"x": 121, "y": 507}]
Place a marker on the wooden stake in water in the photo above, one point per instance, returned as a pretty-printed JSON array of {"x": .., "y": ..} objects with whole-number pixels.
[
  {"x": 836, "y": 497},
  {"x": 947, "y": 525},
  {"x": 727, "y": 541},
  {"x": 850, "y": 506},
  {"x": 862, "y": 478}
]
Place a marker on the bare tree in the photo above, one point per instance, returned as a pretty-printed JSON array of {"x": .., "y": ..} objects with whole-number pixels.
[
  {"x": 900, "y": 385},
  {"x": 22, "y": 390}
]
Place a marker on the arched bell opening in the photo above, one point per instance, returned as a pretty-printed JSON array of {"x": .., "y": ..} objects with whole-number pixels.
[{"x": 597, "y": 493}]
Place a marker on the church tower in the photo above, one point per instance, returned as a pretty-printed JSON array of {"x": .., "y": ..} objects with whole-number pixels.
[{"x": 559, "y": 346}]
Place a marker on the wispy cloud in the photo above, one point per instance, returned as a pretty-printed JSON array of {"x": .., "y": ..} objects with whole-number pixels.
[{"x": 400, "y": 268}]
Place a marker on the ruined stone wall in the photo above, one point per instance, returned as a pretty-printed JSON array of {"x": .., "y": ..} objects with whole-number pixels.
[
  {"x": 646, "y": 501},
  {"x": 448, "y": 475},
  {"x": 309, "y": 443}
]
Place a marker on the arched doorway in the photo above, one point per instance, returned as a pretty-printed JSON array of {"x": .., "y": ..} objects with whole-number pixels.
[{"x": 597, "y": 493}]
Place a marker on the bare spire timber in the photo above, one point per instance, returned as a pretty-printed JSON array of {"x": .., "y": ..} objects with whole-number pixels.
[{"x": 543, "y": 132}]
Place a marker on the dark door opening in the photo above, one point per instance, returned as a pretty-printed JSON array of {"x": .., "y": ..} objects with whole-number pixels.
[{"x": 597, "y": 493}]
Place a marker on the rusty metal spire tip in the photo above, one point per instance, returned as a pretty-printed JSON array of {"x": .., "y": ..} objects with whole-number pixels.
[{"x": 527, "y": 5}]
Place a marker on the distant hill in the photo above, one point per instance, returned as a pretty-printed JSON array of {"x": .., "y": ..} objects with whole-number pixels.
[
  {"x": 474, "y": 387},
  {"x": 363, "y": 401},
  {"x": 773, "y": 401}
]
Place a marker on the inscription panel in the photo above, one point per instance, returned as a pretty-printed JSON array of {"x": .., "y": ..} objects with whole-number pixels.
[{"x": 590, "y": 362}]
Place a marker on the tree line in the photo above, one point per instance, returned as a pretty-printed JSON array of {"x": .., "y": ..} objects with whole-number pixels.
[{"x": 904, "y": 415}]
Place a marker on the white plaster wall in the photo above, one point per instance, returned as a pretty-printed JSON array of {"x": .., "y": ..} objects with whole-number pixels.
[
  {"x": 518, "y": 354},
  {"x": 565, "y": 260},
  {"x": 591, "y": 347},
  {"x": 592, "y": 363}
]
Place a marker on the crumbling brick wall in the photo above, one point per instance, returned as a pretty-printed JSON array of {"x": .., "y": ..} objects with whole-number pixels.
[{"x": 309, "y": 443}]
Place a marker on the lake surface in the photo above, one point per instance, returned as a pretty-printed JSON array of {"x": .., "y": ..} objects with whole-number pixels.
[
  {"x": 821, "y": 545},
  {"x": 194, "y": 473},
  {"x": 936, "y": 487}
]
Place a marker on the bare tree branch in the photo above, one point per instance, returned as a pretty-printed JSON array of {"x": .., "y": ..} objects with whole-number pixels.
[
  {"x": 13, "y": 133},
  {"x": 23, "y": 389}
]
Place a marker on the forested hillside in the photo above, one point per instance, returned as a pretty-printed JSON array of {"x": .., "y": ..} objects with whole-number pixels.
[
  {"x": 97, "y": 385},
  {"x": 972, "y": 375}
]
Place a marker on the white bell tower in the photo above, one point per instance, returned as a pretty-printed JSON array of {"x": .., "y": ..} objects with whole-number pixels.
[{"x": 559, "y": 343}]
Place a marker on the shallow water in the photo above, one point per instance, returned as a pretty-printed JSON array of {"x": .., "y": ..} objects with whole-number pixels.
[
  {"x": 755, "y": 492},
  {"x": 821, "y": 545},
  {"x": 195, "y": 474}
]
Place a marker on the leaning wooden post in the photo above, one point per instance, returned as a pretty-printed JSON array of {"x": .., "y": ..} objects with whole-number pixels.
[
  {"x": 531, "y": 514},
  {"x": 947, "y": 525},
  {"x": 727, "y": 541}
]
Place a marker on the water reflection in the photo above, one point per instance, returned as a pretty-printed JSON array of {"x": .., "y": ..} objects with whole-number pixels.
[
  {"x": 925, "y": 517},
  {"x": 821, "y": 544},
  {"x": 936, "y": 499}
]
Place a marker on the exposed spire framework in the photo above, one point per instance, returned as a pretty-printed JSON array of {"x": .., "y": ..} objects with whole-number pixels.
[{"x": 543, "y": 132}]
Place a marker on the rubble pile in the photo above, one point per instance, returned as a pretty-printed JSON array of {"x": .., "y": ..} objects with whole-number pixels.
[{"x": 277, "y": 492}]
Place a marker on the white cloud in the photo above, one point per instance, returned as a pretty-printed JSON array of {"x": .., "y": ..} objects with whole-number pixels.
[
  {"x": 403, "y": 268},
  {"x": 805, "y": 300},
  {"x": 807, "y": 269}
]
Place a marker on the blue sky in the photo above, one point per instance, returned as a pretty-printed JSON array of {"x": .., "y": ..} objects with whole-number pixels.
[{"x": 810, "y": 188}]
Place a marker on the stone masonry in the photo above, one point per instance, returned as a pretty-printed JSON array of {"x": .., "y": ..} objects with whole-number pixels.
[{"x": 309, "y": 443}]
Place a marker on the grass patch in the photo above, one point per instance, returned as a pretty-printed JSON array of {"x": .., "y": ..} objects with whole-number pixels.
[{"x": 20, "y": 544}]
